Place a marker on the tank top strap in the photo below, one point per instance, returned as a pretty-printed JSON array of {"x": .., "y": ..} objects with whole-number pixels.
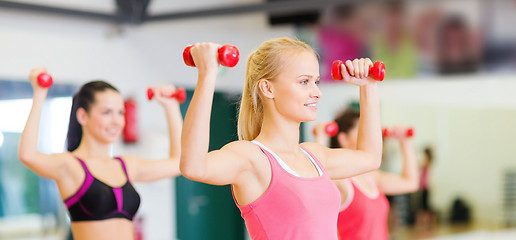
[
  {"x": 320, "y": 168},
  {"x": 86, "y": 170},
  {"x": 88, "y": 180},
  {"x": 351, "y": 188},
  {"x": 272, "y": 160},
  {"x": 125, "y": 169},
  {"x": 370, "y": 181}
]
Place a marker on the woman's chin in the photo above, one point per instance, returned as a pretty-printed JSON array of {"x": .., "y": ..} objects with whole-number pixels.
[{"x": 309, "y": 119}]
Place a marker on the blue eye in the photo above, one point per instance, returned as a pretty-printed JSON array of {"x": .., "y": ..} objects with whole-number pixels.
[{"x": 304, "y": 82}]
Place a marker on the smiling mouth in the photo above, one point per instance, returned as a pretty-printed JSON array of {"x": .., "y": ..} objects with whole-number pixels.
[
  {"x": 311, "y": 105},
  {"x": 113, "y": 131}
]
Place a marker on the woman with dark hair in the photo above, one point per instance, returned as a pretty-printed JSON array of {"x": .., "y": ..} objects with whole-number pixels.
[
  {"x": 364, "y": 207},
  {"x": 423, "y": 184},
  {"x": 426, "y": 218},
  {"x": 95, "y": 186}
]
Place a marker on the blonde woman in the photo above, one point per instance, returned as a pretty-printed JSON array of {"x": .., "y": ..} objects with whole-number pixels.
[
  {"x": 95, "y": 186},
  {"x": 283, "y": 188}
]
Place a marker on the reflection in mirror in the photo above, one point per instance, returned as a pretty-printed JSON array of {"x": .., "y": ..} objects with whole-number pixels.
[
  {"x": 30, "y": 205},
  {"x": 468, "y": 124}
]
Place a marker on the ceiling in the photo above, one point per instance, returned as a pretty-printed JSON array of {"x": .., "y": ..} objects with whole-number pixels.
[{"x": 141, "y": 11}]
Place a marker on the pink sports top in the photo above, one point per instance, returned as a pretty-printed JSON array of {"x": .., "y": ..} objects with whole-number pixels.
[
  {"x": 363, "y": 216},
  {"x": 293, "y": 207}
]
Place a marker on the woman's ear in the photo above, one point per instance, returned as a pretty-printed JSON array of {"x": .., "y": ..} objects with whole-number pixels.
[
  {"x": 342, "y": 138},
  {"x": 265, "y": 87},
  {"x": 82, "y": 116}
]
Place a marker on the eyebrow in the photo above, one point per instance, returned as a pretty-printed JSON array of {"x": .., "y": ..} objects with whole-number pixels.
[{"x": 309, "y": 76}]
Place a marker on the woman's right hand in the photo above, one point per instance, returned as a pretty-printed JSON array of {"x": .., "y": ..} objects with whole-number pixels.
[
  {"x": 161, "y": 94},
  {"x": 318, "y": 129},
  {"x": 356, "y": 72},
  {"x": 205, "y": 56},
  {"x": 33, "y": 77},
  {"x": 399, "y": 132},
  {"x": 320, "y": 136}
]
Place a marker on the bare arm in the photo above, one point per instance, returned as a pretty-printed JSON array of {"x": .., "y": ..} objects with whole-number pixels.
[
  {"x": 408, "y": 181},
  {"x": 152, "y": 170},
  {"x": 218, "y": 167},
  {"x": 45, "y": 165},
  {"x": 343, "y": 163}
]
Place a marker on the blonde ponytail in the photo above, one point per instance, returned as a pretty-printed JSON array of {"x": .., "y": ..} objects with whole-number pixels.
[{"x": 264, "y": 63}]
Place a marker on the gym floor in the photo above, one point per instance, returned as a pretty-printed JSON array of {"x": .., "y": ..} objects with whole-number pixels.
[{"x": 453, "y": 232}]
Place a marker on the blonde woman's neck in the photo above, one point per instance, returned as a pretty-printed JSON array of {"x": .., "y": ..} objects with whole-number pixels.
[{"x": 279, "y": 133}]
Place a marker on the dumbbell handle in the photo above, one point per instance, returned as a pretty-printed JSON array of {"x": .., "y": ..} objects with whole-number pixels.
[
  {"x": 45, "y": 80},
  {"x": 228, "y": 56},
  {"x": 180, "y": 94},
  {"x": 409, "y": 132},
  {"x": 377, "y": 70}
]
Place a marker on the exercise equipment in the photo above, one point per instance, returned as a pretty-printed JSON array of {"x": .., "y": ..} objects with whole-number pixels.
[
  {"x": 228, "y": 56},
  {"x": 331, "y": 129},
  {"x": 45, "y": 80},
  {"x": 386, "y": 132},
  {"x": 180, "y": 94},
  {"x": 377, "y": 70}
]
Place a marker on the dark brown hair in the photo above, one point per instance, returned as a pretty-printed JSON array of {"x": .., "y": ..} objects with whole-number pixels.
[
  {"x": 345, "y": 120},
  {"x": 84, "y": 98}
]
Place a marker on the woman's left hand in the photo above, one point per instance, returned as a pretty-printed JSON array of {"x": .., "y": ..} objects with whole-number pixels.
[
  {"x": 162, "y": 95},
  {"x": 356, "y": 72}
]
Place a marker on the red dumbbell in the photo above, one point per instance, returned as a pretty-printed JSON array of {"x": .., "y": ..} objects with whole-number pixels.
[
  {"x": 409, "y": 132},
  {"x": 180, "y": 94},
  {"x": 331, "y": 129},
  {"x": 377, "y": 70},
  {"x": 228, "y": 56},
  {"x": 45, "y": 80}
]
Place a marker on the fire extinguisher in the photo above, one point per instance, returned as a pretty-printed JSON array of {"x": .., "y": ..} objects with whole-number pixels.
[{"x": 131, "y": 121}]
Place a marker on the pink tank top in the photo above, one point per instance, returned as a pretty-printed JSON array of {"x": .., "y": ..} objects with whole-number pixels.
[
  {"x": 363, "y": 217},
  {"x": 293, "y": 207}
]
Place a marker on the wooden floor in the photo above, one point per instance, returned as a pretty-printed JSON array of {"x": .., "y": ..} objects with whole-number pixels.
[{"x": 452, "y": 232}]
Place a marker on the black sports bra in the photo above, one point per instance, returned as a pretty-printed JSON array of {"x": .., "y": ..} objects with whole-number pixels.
[{"x": 96, "y": 200}]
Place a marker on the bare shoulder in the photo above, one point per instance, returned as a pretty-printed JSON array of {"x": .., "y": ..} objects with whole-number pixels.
[
  {"x": 377, "y": 175},
  {"x": 131, "y": 163},
  {"x": 128, "y": 158},
  {"x": 247, "y": 151},
  {"x": 256, "y": 168},
  {"x": 70, "y": 166},
  {"x": 242, "y": 148},
  {"x": 313, "y": 146},
  {"x": 316, "y": 149},
  {"x": 68, "y": 158}
]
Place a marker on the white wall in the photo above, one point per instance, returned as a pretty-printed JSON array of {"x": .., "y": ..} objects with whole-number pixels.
[{"x": 131, "y": 58}]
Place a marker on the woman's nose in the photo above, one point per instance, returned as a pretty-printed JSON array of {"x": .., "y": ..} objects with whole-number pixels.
[{"x": 316, "y": 92}]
